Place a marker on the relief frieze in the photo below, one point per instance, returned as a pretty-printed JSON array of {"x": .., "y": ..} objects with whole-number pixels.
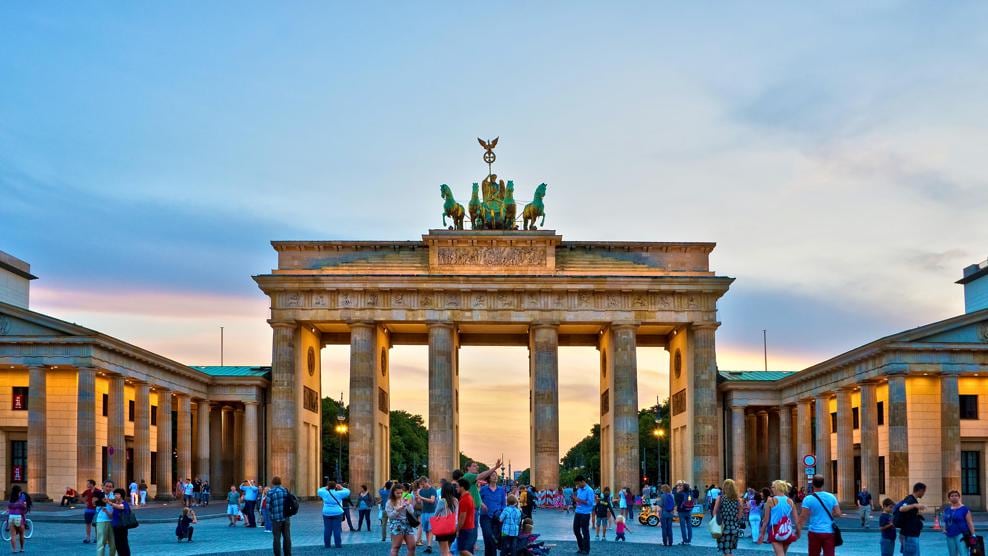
[{"x": 492, "y": 256}]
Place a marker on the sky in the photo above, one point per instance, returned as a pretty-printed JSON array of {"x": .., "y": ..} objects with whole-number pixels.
[{"x": 150, "y": 151}]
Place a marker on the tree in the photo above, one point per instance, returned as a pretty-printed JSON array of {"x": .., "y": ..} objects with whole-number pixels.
[
  {"x": 525, "y": 477},
  {"x": 648, "y": 442},
  {"x": 331, "y": 440},
  {"x": 409, "y": 446},
  {"x": 583, "y": 459},
  {"x": 465, "y": 459}
]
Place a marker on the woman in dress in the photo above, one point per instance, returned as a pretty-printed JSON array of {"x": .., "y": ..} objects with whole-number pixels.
[
  {"x": 727, "y": 512},
  {"x": 447, "y": 504},
  {"x": 778, "y": 509},
  {"x": 398, "y": 509}
]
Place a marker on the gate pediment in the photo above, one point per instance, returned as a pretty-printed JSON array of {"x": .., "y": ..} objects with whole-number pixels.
[{"x": 478, "y": 252}]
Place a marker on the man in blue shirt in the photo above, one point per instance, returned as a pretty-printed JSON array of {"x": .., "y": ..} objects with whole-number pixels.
[
  {"x": 250, "y": 501},
  {"x": 567, "y": 498},
  {"x": 383, "y": 494},
  {"x": 492, "y": 500},
  {"x": 583, "y": 500},
  {"x": 820, "y": 509}
]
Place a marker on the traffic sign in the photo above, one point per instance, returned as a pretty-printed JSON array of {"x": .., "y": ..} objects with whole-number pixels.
[
  {"x": 809, "y": 460},
  {"x": 810, "y": 471}
]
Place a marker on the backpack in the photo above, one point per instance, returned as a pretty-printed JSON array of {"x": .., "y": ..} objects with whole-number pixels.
[
  {"x": 688, "y": 503},
  {"x": 898, "y": 519},
  {"x": 291, "y": 504},
  {"x": 782, "y": 531}
]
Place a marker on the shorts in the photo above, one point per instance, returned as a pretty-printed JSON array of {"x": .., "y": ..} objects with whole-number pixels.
[
  {"x": 446, "y": 538},
  {"x": 188, "y": 497},
  {"x": 601, "y": 522},
  {"x": 466, "y": 540},
  {"x": 426, "y": 525},
  {"x": 17, "y": 520},
  {"x": 89, "y": 515},
  {"x": 232, "y": 509}
]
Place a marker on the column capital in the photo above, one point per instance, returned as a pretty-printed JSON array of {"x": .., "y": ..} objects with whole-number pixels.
[
  {"x": 761, "y": 412},
  {"x": 361, "y": 324},
  {"x": 439, "y": 324},
  {"x": 238, "y": 410},
  {"x": 705, "y": 325},
  {"x": 545, "y": 324},
  {"x": 283, "y": 324},
  {"x": 738, "y": 408},
  {"x": 619, "y": 325},
  {"x": 161, "y": 390},
  {"x": 251, "y": 402}
]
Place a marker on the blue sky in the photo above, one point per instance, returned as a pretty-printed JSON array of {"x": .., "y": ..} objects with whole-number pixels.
[{"x": 149, "y": 151}]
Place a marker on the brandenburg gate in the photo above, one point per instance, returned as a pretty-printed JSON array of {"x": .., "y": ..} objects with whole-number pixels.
[{"x": 493, "y": 285}]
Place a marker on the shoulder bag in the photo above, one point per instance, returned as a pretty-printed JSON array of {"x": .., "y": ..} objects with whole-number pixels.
[
  {"x": 716, "y": 529},
  {"x": 838, "y": 538}
]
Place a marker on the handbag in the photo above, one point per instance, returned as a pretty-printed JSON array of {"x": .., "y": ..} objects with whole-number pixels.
[
  {"x": 838, "y": 537},
  {"x": 130, "y": 520},
  {"x": 443, "y": 524},
  {"x": 411, "y": 518},
  {"x": 716, "y": 530}
]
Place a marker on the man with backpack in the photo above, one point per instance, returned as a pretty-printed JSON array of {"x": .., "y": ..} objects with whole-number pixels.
[
  {"x": 906, "y": 518},
  {"x": 819, "y": 510},
  {"x": 684, "y": 507},
  {"x": 282, "y": 505}
]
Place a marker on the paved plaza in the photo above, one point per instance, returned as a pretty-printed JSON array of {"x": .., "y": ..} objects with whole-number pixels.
[{"x": 56, "y": 534}]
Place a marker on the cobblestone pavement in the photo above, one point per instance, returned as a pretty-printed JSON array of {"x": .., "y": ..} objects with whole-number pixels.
[{"x": 213, "y": 536}]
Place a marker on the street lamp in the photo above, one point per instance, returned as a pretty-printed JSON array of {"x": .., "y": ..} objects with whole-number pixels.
[
  {"x": 659, "y": 435},
  {"x": 341, "y": 429}
]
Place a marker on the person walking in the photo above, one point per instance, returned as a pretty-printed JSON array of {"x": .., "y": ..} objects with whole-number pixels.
[
  {"x": 17, "y": 508},
  {"x": 727, "y": 512},
  {"x": 427, "y": 497},
  {"x": 398, "y": 508},
  {"x": 958, "y": 525},
  {"x": 383, "y": 496},
  {"x": 466, "y": 523},
  {"x": 281, "y": 524},
  {"x": 186, "y": 523},
  {"x": 448, "y": 503},
  {"x": 121, "y": 508},
  {"x": 583, "y": 502},
  {"x": 266, "y": 509},
  {"x": 493, "y": 499},
  {"x": 232, "y": 505},
  {"x": 819, "y": 510},
  {"x": 332, "y": 512},
  {"x": 887, "y": 528},
  {"x": 911, "y": 521},
  {"x": 755, "y": 506},
  {"x": 206, "y": 492},
  {"x": 602, "y": 508},
  {"x": 779, "y": 525},
  {"x": 364, "y": 504},
  {"x": 90, "y": 512},
  {"x": 104, "y": 520},
  {"x": 712, "y": 494},
  {"x": 863, "y": 500},
  {"x": 142, "y": 491},
  {"x": 187, "y": 492},
  {"x": 347, "y": 503},
  {"x": 684, "y": 507}
]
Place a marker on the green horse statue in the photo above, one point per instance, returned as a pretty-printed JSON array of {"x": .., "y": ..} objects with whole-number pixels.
[
  {"x": 534, "y": 209},
  {"x": 510, "y": 208},
  {"x": 474, "y": 208},
  {"x": 451, "y": 208}
]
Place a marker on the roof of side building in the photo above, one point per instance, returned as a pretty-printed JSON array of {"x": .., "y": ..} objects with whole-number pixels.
[
  {"x": 233, "y": 370},
  {"x": 754, "y": 375}
]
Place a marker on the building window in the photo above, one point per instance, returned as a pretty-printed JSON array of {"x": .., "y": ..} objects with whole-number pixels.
[
  {"x": 969, "y": 406},
  {"x": 130, "y": 410},
  {"x": 881, "y": 473},
  {"x": 881, "y": 415},
  {"x": 154, "y": 468},
  {"x": 18, "y": 461},
  {"x": 971, "y": 473},
  {"x": 605, "y": 403},
  {"x": 106, "y": 402},
  {"x": 19, "y": 399},
  {"x": 833, "y": 422},
  {"x": 154, "y": 416},
  {"x": 855, "y": 418},
  {"x": 382, "y": 400}
]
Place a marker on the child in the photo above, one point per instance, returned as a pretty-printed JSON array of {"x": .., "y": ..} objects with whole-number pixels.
[
  {"x": 887, "y": 528},
  {"x": 185, "y": 523},
  {"x": 619, "y": 529},
  {"x": 510, "y": 525}
]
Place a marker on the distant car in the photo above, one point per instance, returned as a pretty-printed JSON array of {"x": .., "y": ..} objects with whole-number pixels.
[{"x": 649, "y": 516}]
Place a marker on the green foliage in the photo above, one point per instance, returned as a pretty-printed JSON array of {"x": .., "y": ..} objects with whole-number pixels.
[
  {"x": 331, "y": 440},
  {"x": 465, "y": 459},
  {"x": 525, "y": 477},
  {"x": 582, "y": 459},
  {"x": 409, "y": 446},
  {"x": 648, "y": 441}
]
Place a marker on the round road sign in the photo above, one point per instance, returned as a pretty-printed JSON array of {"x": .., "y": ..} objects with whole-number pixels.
[{"x": 809, "y": 460}]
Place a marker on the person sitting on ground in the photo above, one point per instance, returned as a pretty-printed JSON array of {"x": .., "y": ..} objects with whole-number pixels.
[
  {"x": 71, "y": 497},
  {"x": 185, "y": 524}
]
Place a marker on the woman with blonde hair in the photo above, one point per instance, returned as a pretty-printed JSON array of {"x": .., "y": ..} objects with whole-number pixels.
[
  {"x": 727, "y": 512},
  {"x": 779, "y": 524}
]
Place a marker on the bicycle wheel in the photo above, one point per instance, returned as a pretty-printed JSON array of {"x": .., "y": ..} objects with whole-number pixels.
[
  {"x": 5, "y": 532},
  {"x": 28, "y": 528}
]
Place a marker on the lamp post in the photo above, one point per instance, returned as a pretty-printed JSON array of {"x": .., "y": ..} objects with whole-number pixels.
[
  {"x": 341, "y": 430},
  {"x": 659, "y": 435}
]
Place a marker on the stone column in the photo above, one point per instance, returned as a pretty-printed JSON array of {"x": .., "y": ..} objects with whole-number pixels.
[
  {"x": 544, "y": 390},
  {"x": 868, "y": 417},
  {"x": 364, "y": 402},
  {"x": 184, "y": 436},
  {"x": 202, "y": 439},
  {"x": 738, "y": 446},
  {"x": 773, "y": 454},
  {"x": 229, "y": 472},
  {"x": 751, "y": 446},
  {"x": 804, "y": 437},
  {"x": 238, "y": 444},
  {"x": 142, "y": 432},
  {"x": 165, "y": 481},
  {"x": 706, "y": 451},
  {"x": 898, "y": 458},
  {"x": 87, "y": 454},
  {"x": 845, "y": 449},
  {"x": 762, "y": 450},
  {"x": 250, "y": 434},
  {"x": 625, "y": 403},
  {"x": 219, "y": 483},
  {"x": 823, "y": 440},
  {"x": 116, "y": 417},
  {"x": 284, "y": 404},
  {"x": 785, "y": 444},
  {"x": 37, "y": 433},
  {"x": 950, "y": 433},
  {"x": 442, "y": 406}
]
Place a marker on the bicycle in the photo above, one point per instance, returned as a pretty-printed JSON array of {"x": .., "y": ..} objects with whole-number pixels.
[{"x": 5, "y": 528}]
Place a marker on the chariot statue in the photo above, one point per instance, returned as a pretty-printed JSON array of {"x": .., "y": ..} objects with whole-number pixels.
[{"x": 492, "y": 203}]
